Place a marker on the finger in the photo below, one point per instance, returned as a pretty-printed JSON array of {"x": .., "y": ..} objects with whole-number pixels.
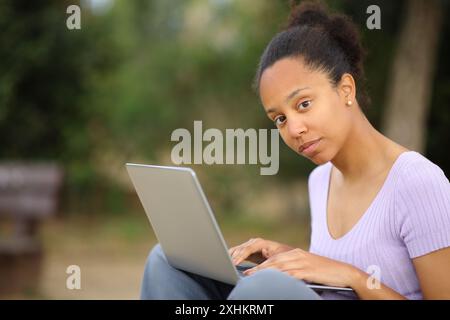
[
  {"x": 245, "y": 250},
  {"x": 238, "y": 249},
  {"x": 241, "y": 254},
  {"x": 235, "y": 250},
  {"x": 296, "y": 273},
  {"x": 280, "y": 263},
  {"x": 231, "y": 250},
  {"x": 264, "y": 265},
  {"x": 242, "y": 246},
  {"x": 291, "y": 265},
  {"x": 265, "y": 252},
  {"x": 277, "y": 258}
]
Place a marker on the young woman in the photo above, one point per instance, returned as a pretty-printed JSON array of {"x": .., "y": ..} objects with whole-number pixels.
[{"x": 380, "y": 213}]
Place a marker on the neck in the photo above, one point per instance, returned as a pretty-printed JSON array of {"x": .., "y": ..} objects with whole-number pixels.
[{"x": 365, "y": 153}]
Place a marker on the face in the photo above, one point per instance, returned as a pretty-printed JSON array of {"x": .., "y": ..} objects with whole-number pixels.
[{"x": 310, "y": 113}]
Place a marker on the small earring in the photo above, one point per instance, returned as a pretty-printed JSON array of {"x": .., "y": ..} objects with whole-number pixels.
[{"x": 349, "y": 103}]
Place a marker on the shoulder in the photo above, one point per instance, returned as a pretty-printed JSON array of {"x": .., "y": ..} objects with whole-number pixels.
[
  {"x": 423, "y": 204},
  {"x": 416, "y": 171}
]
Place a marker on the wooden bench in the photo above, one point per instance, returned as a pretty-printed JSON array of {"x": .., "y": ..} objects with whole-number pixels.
[{"x": 29, "y": 194}]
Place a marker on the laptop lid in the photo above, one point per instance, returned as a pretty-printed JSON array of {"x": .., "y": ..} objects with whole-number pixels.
[{"x": 183, "y": 220}]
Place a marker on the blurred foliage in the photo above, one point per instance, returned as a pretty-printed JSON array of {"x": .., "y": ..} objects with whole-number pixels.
[
  {"x": 115, "y": 90},
  {"x": 46, "y": 73}
]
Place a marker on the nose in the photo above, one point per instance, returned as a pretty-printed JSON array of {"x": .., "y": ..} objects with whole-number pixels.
[{"x": 295, "y": 127}]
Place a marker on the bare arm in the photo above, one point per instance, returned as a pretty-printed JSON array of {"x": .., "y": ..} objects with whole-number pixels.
[
  {"x": 433, "y": 273},
  {"x": 359, "y": 283}
]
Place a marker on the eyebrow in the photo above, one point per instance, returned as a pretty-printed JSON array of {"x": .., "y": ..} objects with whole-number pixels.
[{"x": 288, "y": 98}]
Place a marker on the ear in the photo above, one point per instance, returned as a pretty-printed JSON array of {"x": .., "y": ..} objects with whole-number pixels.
[{"x": 347, "y": 88}]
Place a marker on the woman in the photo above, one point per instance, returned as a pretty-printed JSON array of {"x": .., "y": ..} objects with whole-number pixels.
[{"x": 380, "y": 213}]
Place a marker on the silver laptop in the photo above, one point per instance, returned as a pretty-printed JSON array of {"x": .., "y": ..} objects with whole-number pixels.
[{"x": 184, "y": 223}]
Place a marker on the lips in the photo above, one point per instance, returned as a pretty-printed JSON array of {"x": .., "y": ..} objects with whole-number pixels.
[{"x": 307, "y": 144}]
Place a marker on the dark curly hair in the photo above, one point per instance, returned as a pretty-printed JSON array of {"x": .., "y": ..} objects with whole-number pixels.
[{"x": 326, "y": 41}]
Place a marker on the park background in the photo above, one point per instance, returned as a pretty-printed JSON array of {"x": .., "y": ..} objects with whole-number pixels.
[{"x": 87, "y": 101}]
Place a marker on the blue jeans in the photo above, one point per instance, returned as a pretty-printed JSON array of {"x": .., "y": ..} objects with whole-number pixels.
[{"x": 162, "y": 281}]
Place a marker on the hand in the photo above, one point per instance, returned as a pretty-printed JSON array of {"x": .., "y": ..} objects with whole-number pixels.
[
  {"x": 256, "y": 250},
  {"x": 310, "y": 267}
]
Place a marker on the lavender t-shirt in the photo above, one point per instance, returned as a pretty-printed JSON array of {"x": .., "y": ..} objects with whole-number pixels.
[{"x": 409, "y": 217}]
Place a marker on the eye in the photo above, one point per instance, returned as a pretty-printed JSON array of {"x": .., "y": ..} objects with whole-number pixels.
[
  {"x": 279, "y": 120},
  {"x": 304, "y": 105}
]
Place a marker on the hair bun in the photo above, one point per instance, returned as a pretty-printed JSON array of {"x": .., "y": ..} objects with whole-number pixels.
[
  {"x": 308, "y": 14},
  {"x": 339, "y": 27},
  {"x": 342, "y": 30}
]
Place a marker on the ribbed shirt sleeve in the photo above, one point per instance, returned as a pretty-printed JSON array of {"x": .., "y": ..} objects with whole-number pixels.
[{"x": 423, "y": 216}]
